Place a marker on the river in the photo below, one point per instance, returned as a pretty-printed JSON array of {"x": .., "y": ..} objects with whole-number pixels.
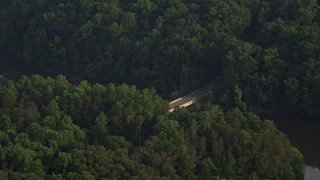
[{"x": 304, "y": 133}]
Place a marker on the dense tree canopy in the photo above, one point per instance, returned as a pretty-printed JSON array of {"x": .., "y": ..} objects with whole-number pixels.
[
  {"x": 51, "y": 129},
  {"x": 269, "y": 49},
  {"x": 259, "y": 54}
]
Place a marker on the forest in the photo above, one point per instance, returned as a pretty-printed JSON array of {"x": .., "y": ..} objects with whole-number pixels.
[
  {"x": 269, "y": 49},
  {"x": 51, "y": 129},
  {"x": 261, "y": 55}
]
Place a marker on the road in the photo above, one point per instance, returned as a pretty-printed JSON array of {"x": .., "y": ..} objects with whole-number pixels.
[{"x": 190, "y": 98}]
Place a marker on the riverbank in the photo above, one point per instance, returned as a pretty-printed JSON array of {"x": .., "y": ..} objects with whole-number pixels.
[{"x": 304, "y": 133}]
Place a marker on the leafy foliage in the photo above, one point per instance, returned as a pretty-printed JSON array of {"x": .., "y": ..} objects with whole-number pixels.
[
  {"x": 177, "y": 45},
  {"x": 51, "y": 129}
]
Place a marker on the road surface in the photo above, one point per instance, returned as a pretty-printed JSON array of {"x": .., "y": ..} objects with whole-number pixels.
[{"x": 190, "y": 98}]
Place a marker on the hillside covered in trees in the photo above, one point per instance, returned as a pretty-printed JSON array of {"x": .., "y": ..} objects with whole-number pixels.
[
  {"x": 259, "y": 54},
  {"x": 51, "y": 129},
  {"x": 269, "y": 49}
]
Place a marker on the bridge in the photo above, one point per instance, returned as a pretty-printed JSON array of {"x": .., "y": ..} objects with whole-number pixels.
[{"x": 190, "y": 98}]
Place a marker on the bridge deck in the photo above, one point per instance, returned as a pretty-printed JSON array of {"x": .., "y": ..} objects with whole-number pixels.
[{"x": 190, "y": 98}]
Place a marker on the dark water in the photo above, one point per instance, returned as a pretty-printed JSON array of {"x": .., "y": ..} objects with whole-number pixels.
[{"x": 304, "y": 133}]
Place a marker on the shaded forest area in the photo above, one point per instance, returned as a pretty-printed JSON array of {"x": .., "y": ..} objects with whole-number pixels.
[
  {"x": 264, "y": 54},
  {"x": 269, "y": 50},
  {"x": 51, "y": 129}
]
